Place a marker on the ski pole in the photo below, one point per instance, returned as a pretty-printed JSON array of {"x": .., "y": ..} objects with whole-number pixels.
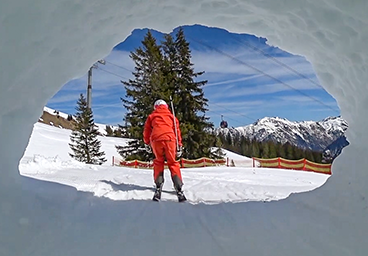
[{"x": 176, "y": 131}]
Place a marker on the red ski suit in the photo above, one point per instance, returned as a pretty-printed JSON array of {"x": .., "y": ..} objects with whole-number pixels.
[{"x": 159, "y": 132}]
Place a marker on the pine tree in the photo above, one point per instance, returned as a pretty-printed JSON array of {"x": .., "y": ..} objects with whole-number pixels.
[
  {"x": 272, "y": 146},
  {"x": 298, "y": 153},
  {"x": 162, "y": 71},
  {"x": 245, "y": 146},
  {"x": 188, "y": 98},
  {"x": 309, "y": 155},
  {"x": 289, "y": 151},
  {"x": 139, "y": 94},
  {"x": 84, "y": 142},
  {"x": 255, "y": 148},
  {"x": 317, "y": 156},
  {"x": 109, "y": 131},
  {"x": 218, "y": 153},
  {"x": 280, "y": 150},
  {"x": 120, "y": 132},
  {"x": 265, "y": 150}
]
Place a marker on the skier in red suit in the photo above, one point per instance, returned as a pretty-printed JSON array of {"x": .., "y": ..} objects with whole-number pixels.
[{"x": 159, "y": 133}]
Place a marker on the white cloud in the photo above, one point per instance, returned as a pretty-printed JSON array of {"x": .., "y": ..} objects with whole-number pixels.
[{"x": 248, "y": 63}]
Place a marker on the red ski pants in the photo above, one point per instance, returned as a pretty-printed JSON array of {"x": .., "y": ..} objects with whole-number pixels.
[{"x": 162, "y": 149}]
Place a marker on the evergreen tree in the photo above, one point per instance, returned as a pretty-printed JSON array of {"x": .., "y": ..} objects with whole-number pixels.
[
  {"x": 140, "y": 93},
  {"x": 265, "y": 150},
  {"x": 245, "y": 146},
  {"x": 289, "y": 151},
  {"x": 280, "y": 150},
  {"x": 84, "y": 142},
  {"x": 309, "y": 155},
  {"x": 229, "y": 140},
  {"x": 255, "y": 149},
  {"x": 162, "y": 71},
  {"x": 317, "y": 156},
  {"x": 189, "y": 101},
  {"x": 272, "y": 147},
  {"x": 121, "y": 132},
  {"x": 298, "y": 153},
  {"x": 218, "y": 153},
  {"x": 109, "y": 131}
]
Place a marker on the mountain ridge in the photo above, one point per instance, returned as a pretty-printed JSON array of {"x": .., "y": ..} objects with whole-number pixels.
[
  {"x": 312, "y": 135},
  {"x": 326, "y": 135}
]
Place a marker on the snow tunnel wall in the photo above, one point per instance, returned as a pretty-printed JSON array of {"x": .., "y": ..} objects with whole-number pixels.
[{"x": 44, "y": 44}]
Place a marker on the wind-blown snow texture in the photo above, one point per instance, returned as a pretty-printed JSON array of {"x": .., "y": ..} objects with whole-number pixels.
[{"x": 43, "y": 44}]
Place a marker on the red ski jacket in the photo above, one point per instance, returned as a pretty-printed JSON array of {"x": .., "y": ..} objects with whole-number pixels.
[{"x": 160, "y": 126}]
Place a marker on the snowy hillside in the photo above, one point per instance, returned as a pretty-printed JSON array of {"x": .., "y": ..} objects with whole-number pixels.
[
  {"x": 46, "y": 158},
  {"x": 101, "y": 127},
  {"x": 307, "y": 134}
]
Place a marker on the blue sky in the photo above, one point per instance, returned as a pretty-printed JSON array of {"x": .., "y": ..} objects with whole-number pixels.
[{"x": 247, "y": 80}]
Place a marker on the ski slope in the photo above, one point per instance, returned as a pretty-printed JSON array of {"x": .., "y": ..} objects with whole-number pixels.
[{"x": 46, "y": 158}]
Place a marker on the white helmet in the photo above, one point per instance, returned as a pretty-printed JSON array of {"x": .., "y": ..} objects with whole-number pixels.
[{"x": 159, "y": 102}]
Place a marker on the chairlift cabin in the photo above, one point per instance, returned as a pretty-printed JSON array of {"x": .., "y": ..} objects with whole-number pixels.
[{"x": 223, "y": 123}]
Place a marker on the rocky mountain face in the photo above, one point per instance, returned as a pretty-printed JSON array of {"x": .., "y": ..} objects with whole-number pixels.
[
  {"x": 334, "y": 149},
  {"x": 316, "y": 136}
]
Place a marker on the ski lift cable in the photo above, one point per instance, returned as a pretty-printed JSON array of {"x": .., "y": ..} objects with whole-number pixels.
[
  {"x": 112, "y": 73},
  {"x": 116, "y": 65},
  {"x": 229, "y": 118},
  {"x": 248, "y": 117},
  {"x": 254, "y": 48},
  {"x": 265, "y": 74},
  {"x": 252, "y": 119}
]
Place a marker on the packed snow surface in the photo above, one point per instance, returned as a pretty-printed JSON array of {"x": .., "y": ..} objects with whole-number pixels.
[{"x": 46, "y": 158}]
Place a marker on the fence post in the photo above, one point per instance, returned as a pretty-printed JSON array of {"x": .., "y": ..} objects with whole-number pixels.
[
  {"x": 253, "y": 162},
  {"x": 113, "y": 163},
  {"x": 305, "y": 162},
  {"x": 279, "y": 162},
  {"x": 135, "y": 164},
  {"x": 204, "y": 162}
]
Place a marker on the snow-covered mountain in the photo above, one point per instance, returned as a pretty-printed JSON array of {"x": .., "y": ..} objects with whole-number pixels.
[
  {"x": 307, "y": 134},
  {"x": 335, "y": 148}
]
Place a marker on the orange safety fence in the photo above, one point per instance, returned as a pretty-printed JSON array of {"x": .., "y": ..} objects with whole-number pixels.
[
  {"x": 301, "y": 164},
  {"x": 185, "y": 163},
  {"x": 201, "y": 162}
]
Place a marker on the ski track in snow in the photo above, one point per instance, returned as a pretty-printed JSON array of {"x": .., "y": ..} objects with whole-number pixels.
[{"x": 46, "y": 158}]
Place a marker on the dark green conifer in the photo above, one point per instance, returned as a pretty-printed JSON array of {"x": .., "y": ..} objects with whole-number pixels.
[
  {"x": 84, "y": 142},
  {"x": 140, "y": 92},
  {"x": 162, "y": 71},
  {"x": 109, "y": 131},
  {"x": 190, "y": 102}
]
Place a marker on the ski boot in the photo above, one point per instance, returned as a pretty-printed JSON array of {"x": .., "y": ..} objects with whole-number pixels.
[
  {"x": 181, "y": 196},
  {"x": 178, "y": 185},
  {"x": 157, "y": 194}
]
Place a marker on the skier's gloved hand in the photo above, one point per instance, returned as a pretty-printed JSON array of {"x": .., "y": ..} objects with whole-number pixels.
[
  {"x": 148, "y": 148},
  {"x": 179, "y": 152}
]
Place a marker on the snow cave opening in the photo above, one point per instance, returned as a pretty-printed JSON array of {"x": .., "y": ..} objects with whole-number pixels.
[
  {"x": 119, "y": 62},
  {"x": 332, "y": 34}
]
